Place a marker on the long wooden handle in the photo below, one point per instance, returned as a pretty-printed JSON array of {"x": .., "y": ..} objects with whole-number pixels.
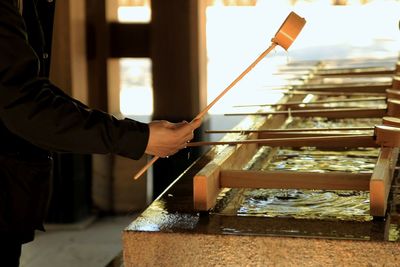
[
  {"x": 247, "y": 70},
  {"x": 329, "y": 93},
  {"x": 205, "y": 110},
  {"x": 288, "y": 130},
  {"x": 284, "y": 37},
  {"x": 328, "y": 113},
  {"x": 145, "y": 168},
  {"x": 331, "y": 141},
  {"x": 296, "y": 103}
]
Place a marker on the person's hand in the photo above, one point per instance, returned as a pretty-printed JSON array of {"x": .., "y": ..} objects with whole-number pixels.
[{"x": 167, "y": 138}]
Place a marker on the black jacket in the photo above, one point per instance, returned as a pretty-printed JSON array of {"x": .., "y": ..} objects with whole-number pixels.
[
  {"x": 36, "y": 116},
  {"x": 36, "y": 111}
]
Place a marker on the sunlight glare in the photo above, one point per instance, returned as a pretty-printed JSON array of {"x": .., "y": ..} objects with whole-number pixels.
[
  {"x": 136, "y": 100},
  {"x": 236, "y": 35},
  {"x": 138, "y": 14}
]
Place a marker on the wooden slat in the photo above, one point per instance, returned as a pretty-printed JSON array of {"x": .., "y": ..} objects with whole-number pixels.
[
  {"x": 266, "y": 135},
  {"x": 297, "y": 103},
  {"x": 331, "y": 93},
  {"x": 352, "y": 76},
  {"x": 358, "y": 87},
  {"x": 287, "y": 130},
  {"x": 356, "y": 71},
  {"x": 206, "y": 183},
  {"x": 319, "y": 141},
  {"x": 381, "y": 180},
  {"x": 295, "y": 180},
  {"x": 327, "y": 113}
]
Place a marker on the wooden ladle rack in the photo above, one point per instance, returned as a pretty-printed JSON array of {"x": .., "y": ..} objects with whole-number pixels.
[{"x": 226, "y": 170}]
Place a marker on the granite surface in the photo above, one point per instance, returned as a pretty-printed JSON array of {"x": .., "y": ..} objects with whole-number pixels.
[{"x": 170, "y": 233}]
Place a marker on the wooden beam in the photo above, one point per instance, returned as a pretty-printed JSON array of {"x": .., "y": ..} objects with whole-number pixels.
[
  {"x": 320, "y": 141},
  {"x": 97, "y": 53},
  {"x": 355, "y": 71},
  {"x": 69, "y": 61},
  {"x": 381, "y": 180},
  {"x": 206, "y": 183},
  {"x": 269, "y": 135},
  {"x": 327, "y": 113},
  {"x": 372, "y": 87},
  {"x": 331, "y": 93},
  {"x": 288, "y": 130},
  {"x": 178, "y": 53},
  {"x": 317, "y": 102},
  {"x": 295, "y": 180}
]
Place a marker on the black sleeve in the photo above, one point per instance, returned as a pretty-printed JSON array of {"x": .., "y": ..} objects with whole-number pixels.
[{"x": 39, "y": 112}]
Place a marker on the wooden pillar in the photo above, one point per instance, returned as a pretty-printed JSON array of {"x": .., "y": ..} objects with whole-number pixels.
[
  {"x": 178, "y": 53},
  {"x": 69, "y": 65},
  {"x": 113, "y": 188},
  {"x": 112, "y": 64},
  {"x": 176, "y": 37},
  {"x": 97, "y": 52},
  {"x": 71, "y": 173},
  {"x": 104, "y": 73}
]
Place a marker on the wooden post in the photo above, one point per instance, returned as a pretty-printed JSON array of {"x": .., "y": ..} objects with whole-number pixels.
[
  {"x": 97, "y": 53},
  {"x": 381, "y": 180},
  {"x": 178, "y": 52},
  {"x": 68, "y": 71},
  {"x": 112, "y": 64},
  {"x": 68, "y": 64}
]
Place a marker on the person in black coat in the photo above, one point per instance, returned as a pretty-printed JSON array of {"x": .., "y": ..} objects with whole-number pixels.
[{"x": 36, "y": 117}]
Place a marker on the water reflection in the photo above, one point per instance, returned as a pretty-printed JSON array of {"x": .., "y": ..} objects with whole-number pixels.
[
  {"x": 312, "y": 160},
  {"x": 309, "y": 204},
  {"x": 321, "y": 122},
  {"x": 343, "y": 205}
]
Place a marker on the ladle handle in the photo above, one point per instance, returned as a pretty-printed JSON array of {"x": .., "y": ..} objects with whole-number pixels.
[
  {"x": 284, "y": 37},
  {"x": 206, "y": 109}
]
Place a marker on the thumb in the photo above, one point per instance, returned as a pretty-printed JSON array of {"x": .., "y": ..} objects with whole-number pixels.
[{"x": 194, "y": 124}]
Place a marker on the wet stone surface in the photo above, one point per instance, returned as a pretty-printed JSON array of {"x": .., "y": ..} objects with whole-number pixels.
[{"x": 276, "y": 212}]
